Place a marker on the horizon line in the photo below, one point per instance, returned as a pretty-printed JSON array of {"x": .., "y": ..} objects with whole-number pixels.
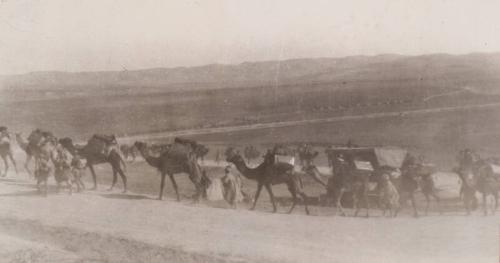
[{"x": 250, "y": 62}]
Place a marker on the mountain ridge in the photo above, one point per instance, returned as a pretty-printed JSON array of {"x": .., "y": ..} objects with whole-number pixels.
[{"x": 383, "y": 67}]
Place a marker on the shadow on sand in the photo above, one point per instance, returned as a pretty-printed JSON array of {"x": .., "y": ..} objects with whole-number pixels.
[
  {"x": 10, "y": 180},
  {"x": 22, "y": 193},
  {"x": 51, "y": 190},
  {"x": 126, "y": 196}
]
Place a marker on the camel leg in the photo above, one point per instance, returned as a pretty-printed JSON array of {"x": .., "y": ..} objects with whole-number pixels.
[
  {"x": 315, "y": 174},
  {"x": 124, "y": 179},
  {"x": 79, "y": 180},
  {"x": 77, "y": 183},
  {"x": 382, "y": 205},
  {"x": 339, "y": 203},
  {"x": 271, "y": 196},
  {"x": 294, "y": 196},
  {"x": 305, "y": 197},
  {"x": 6, "y": 166},
  {"x": 259, "y": 188},
  {"x": 175, "y": 187},
  {"x": 80, "y": 183},
  {"x": 45, "y": 187},
  {"x": 495, "y": 195},
  {"x": 485, "y": 204},
  {"x": 428, "y": 201},
  {"x": 26, "y": 164},
  {"x": 394, "y": 210},
  {"x": 414, "y": 204},
  {"x": 197, "y": 185},
  {"x": 356, "y": 204},
  {"x": 162, "y": 184},
  {"x": 70, "y": 187},
  {"x": 365, "y": 198},
  {"x": 115, "y": 179},
  {"x": 38, "y": 182},
  {"x": 94, "y": 177},
  {"x": 438, "y": 202},
  {"x": 466, "y": 204},
  {"x": 13, "y": 162}
]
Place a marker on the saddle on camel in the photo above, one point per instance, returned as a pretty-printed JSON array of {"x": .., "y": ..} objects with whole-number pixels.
[
  {"x": 38, "y": 138},
  {"x": 282, "y": 154},
  {"x": 104, "y": 143}
]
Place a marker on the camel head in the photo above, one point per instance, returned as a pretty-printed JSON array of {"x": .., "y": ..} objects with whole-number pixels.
[
  {"x": 141, "y": 146},
  {"x": 67, "y": 143},
  {"x": 233, "y": 155},
  {"x": 201, "y": 150}
]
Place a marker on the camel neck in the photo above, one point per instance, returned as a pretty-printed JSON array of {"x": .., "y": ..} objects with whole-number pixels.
[{"x": 151, "y": 160}]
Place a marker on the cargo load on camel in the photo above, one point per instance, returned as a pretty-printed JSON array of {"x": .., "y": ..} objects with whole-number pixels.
[
  {"x": 363, "y": 166},
  {"x": 283, "y": 154}
]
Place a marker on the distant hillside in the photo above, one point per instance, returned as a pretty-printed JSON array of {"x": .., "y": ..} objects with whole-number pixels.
[{"x": 479, "y": 70}]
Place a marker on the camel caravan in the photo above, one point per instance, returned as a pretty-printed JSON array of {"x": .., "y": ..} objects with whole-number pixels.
[{"x": 386, "y": 178}]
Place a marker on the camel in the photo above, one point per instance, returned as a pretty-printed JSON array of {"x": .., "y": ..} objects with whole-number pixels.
[
  {"x": 251, "y": 153},
  {"x": 267, "y": 174},
  {"x": 39, "y": 144},
  {"x": 99, "y": 149},
  {"x": 343, "y": 180},
  {"x": 6, "y": 152},
  {"x": 486, "y": 184},
  {"x": 179, "y": 158},
  {"x": 417, "y": 175},
  {"x": 128, "y": 150}
]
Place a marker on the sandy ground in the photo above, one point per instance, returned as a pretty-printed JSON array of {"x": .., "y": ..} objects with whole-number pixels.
[{"x": 101, "y": 226}]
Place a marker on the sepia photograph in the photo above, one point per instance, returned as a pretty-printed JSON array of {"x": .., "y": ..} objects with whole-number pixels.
[{"x": 249, "y": 131}]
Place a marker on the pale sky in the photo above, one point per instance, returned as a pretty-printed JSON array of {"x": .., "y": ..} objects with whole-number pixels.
[{"x": 92, "y": 35}]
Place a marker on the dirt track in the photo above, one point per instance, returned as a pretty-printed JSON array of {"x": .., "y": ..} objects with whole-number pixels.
[
  {"x": 161, "y": 135},
  {"x": 99, "y": 226}
]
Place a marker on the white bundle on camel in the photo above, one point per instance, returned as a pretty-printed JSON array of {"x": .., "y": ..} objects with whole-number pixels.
[{"x": 284, "y": 159}]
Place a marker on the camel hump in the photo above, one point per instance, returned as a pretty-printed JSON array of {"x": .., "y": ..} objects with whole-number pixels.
[
  {"x": 67, "y": 143},
  {"x": 178, "y": 151},
  {"x": 38, "y": 135},
  {"x": 193, "y": 144},
  {"x": 282, "y": 150}
]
